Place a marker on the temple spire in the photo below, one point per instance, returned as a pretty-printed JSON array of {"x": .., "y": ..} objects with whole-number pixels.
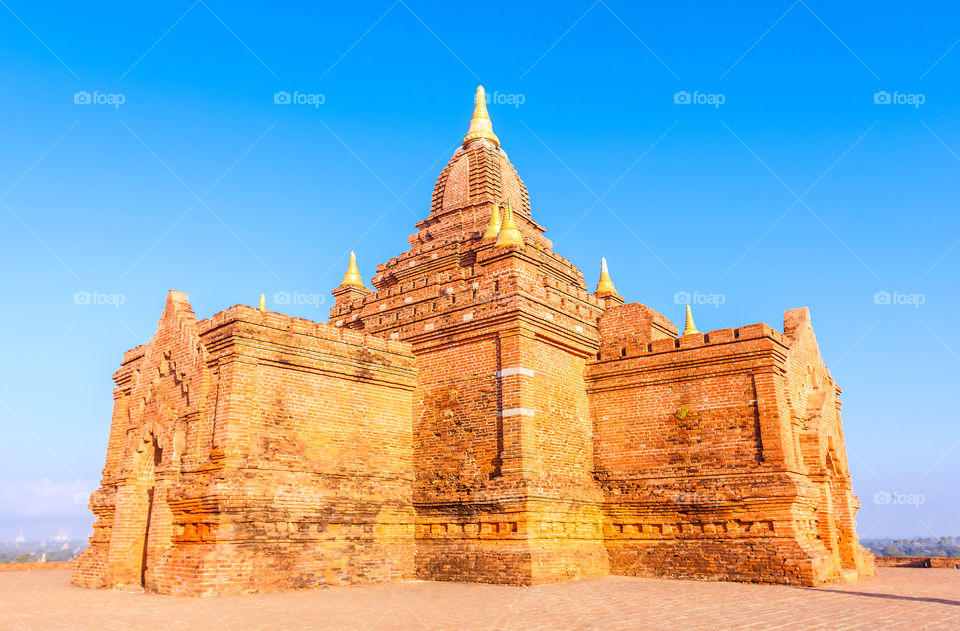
[
  {"x": 263, "y": 303},
  {"x": 690, "y": 328},
  {"x": 493, "y": 228},
  {"x": 352, "y": 277},
  {"x": 605, "y": 285},
  {"x": 509, "y": 234},
  {"x": 480, "y": 126}
]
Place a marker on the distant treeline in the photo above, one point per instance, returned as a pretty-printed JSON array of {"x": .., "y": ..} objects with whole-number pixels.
[
  {"x": 919, "y": 547},
  {"x": 34, "y": 552},
  {"x": 32, "y": 557}
]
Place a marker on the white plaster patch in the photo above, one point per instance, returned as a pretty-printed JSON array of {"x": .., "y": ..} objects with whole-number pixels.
[
  {"x": 517, "y": 412},
  {"x": 515, "y": 370}
]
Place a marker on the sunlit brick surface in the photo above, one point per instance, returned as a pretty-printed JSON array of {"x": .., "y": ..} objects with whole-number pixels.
[
  {"x": 896, "y": 599},
  {"x": 252, "y": 451}
]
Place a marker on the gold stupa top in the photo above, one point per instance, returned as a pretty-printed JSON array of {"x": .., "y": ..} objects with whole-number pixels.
[
  {"x": 263, "y": 303},
  {"x": 480, "y": 126},
  {"x": 605, "y": 285},
  {"x": 493, "y": 228},
  {"x": 690, "y": 327},
  {"x": 509, "y": 234},
  {"x": 352, "y": 277}
]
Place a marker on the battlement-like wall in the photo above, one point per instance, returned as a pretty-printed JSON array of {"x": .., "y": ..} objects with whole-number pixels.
[
  {"x": 435, "y": 305},
  {"x": 282, "y": 459},
  {"x": 706, "y": 468}
]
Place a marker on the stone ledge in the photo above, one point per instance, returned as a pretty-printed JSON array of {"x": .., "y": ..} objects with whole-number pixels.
[{"x": 35, "y": 567}]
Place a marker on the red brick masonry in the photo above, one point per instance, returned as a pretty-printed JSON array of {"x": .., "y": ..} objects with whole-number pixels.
[
  {"x": 940, "y": 562},
  {"x": 481, "y": 416}
]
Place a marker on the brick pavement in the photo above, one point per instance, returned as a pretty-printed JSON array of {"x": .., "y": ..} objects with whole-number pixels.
[{"x": 899, "y": 598}]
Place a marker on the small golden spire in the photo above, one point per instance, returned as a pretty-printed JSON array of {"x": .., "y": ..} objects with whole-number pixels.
[
  {"x": 690, "y": 327},
  {"x": 263, "y": 303},
  {"x": 493, "y": 228},
  {"x": 509, "y": 234},
  {"x": 605, "y": 286},
  {"x": 480, "y": 126},
  {"x": 352, "y": 277}
]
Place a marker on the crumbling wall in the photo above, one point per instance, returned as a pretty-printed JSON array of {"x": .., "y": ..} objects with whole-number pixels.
[
  {"x": 700, "y": 462},
  {"x": 283, "y": 461}
]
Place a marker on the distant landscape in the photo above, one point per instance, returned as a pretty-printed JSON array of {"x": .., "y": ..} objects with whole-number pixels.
[
  {"x": 57, "y": 549},
  {"x": 919, "y": 547},
  {"x": 63, "y": 549}
]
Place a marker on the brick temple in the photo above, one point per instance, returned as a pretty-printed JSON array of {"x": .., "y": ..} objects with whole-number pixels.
[{"x": 479, "y": 415}]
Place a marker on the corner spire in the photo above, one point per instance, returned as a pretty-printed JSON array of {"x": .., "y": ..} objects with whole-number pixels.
[
  {"x": 493, "y": 228},
  {"x": 480, "y": 126},
  {"x": 690, "y": 328},
  {"x": 509, "y": 234},
  {"x": 352, "y": 277},
  {"x": 263, "y": 303},
  {"x": 605, "y": 285}
]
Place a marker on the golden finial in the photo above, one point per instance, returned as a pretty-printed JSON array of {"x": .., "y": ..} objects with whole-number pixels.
[
  {"x": 480, "y": 126},
  {"x": 605, "y": 286},
  {"x": 352, "y": 277},
  {"x": 493, "y": 228},
  {"x": 690, "y": 327},
  {"x": 263, "y": 303},
  {"x": 509, "y": 234}
]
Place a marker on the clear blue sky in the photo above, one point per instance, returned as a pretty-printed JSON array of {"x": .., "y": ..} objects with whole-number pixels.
[{"x": 798, "y": 189}]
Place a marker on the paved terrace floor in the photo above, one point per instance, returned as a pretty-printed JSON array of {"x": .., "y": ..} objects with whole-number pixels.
[{"x": 898, "y": 598}]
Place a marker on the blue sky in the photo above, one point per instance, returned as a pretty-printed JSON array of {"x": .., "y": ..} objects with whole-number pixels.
[{"x": 782, "y": 182}]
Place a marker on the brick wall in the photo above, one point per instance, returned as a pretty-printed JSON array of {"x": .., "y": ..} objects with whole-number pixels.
[
  {"x": 285, "y": 462},
  {"x": 698, "y": 452},
  {"x": 939, "y": 562}
]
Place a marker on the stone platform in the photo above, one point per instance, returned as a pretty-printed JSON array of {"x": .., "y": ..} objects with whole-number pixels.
[{"x": 899, "y": 598}]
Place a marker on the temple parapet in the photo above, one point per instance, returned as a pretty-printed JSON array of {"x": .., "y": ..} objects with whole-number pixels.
[
  {"x": 707, "y": 462},
  {"x": 255, "y": 451}
]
